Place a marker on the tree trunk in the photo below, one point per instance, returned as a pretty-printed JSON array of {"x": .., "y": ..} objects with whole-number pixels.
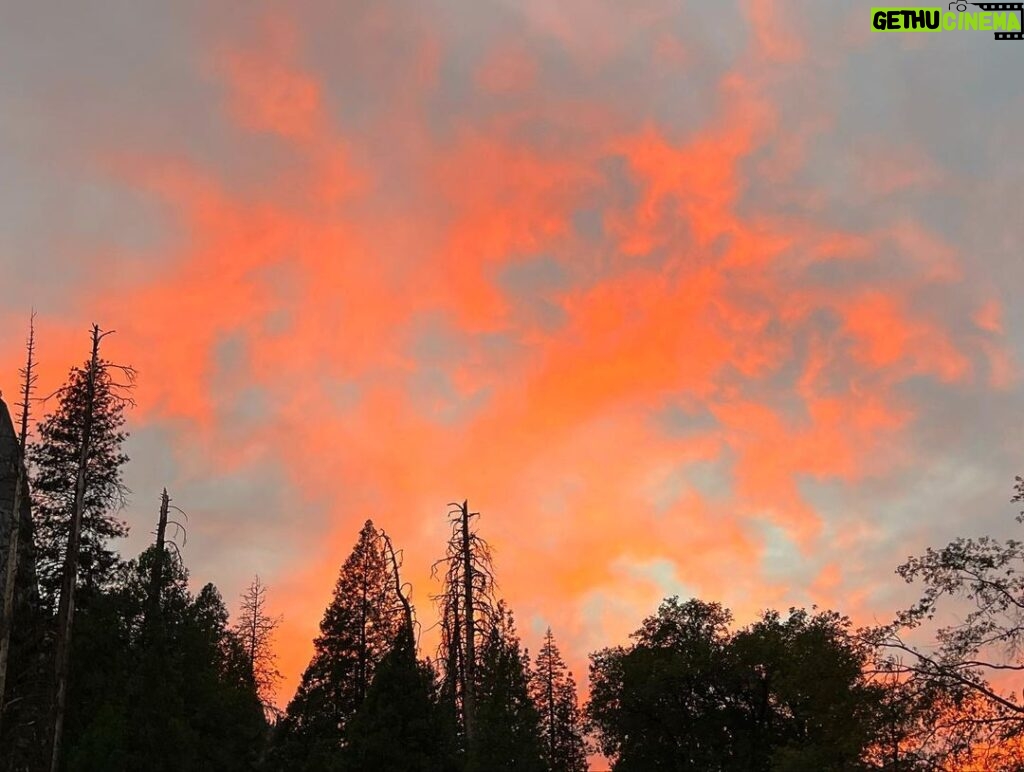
[
  {"x": 66, "y": 607},
  {"x": 551, "y": 694},
  {"x": 469, "y": 666},
  {"x": 254, "y": 629},
  {"x": 13, "y": 554},
  {"x": 455, "y": 665},
  {"x": 362, "y": 684},
  {"x": 406, "y": 606},
  {"x": 156, "y": 576}
]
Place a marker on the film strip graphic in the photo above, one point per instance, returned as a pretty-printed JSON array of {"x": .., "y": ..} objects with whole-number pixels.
[{"x": 1018, "y": 7}]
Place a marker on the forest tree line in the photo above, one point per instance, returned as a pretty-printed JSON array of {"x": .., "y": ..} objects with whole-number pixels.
[{"x": 111, "y": 663}]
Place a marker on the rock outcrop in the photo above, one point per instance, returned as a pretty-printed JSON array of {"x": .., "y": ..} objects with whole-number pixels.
[{"x": 10, "y": 458}]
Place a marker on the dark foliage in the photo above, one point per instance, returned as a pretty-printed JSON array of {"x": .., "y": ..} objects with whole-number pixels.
[
  {"x": 782, "y": 694},
  {"x": 399, "y": 724},
  {"x": 561, "y": 725},
  {"x": 173, "y": 695},
  {"x": 358, "y": 629},
  {"x": 509, "y": 724},
  {"x": 55, "y": 457},
  {"x": 159, "y": 679}
]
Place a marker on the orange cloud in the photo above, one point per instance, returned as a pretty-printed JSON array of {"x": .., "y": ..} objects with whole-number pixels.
[{"x": 353, "y": 285}]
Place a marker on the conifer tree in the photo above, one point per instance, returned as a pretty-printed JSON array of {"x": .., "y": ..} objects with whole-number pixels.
[
  {"x": 358, "y": 629},
  {"x": 78, "y": 458},
  {"x": 180, "y": 699},
  {"x": 399, "y": 724},
  {"x": 554, "y": 693},
  {"x": 95, "y": 394},
  {"x": 508, "y": 722},
  {"x": 162, "y": 682}
]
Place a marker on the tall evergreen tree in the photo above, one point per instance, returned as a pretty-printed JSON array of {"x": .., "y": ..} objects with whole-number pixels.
[
  {"x": 554, "y": 693},
  {"x": 358, "y": 629},
  {"x": 55, "y": 462},
  {"x": 221, "y": 698},
  {"x": 79, "y": 460},
  {"x": 161, "y": 680},
  {"x": 508, "y": 722},
  {"x": 399, "y": 725}
]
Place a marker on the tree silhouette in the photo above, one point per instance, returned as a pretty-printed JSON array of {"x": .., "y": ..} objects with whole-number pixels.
[
  {"x": 255, "y": 629},
  {"x": 657, "y": 704},
  {"x": 78, "y": 462},
  {"x": 785, "y": 693},
  {"x": 554, "y": 693},
  {"x": 509, "y": 724},
  {"x": 358, "y": 629},
  {"x": 399, "y": 725},
  {"x": 981, "y": 580},
  {"x": 466, "y": 603},
  {"x": 77, "y": 487}
]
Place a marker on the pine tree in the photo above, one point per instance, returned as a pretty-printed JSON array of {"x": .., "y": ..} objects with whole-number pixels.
[
  {"x": 399, "y": 725},
  {"x": 223, "y": 707},
  {"x": 55, "y": 461},
  {"x": 508, "y": 722},
  {"x": 358, "y": 629},
  {"x": 179, "y": 698},
  {"x": 554, "y": 693},
  {"x": 79, "y": 460}
]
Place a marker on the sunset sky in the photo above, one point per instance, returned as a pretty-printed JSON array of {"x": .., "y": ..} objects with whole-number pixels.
[{"x": 696, "y": 298}]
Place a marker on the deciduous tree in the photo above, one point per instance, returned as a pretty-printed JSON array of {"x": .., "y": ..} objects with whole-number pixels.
[{"x": 971, "y": 612}]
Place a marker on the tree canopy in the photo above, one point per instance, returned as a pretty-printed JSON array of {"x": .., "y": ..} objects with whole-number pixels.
[{"x": 118, "y": 663}]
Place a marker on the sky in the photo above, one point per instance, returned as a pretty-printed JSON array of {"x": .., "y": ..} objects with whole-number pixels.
[{"x": 707, "y": 299}]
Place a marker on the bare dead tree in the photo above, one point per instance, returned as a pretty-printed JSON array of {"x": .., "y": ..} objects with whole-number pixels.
[
  {"x": 156, "y": 572},
  {"x": 163, "y": 544},
  {"x": 256, "y": 628},
  {"x": 466, "y": 603},
  {"x": 395, "y": 559},
  {"x": 469, "y": 673},
  {"x": 28, "y": 382}
]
